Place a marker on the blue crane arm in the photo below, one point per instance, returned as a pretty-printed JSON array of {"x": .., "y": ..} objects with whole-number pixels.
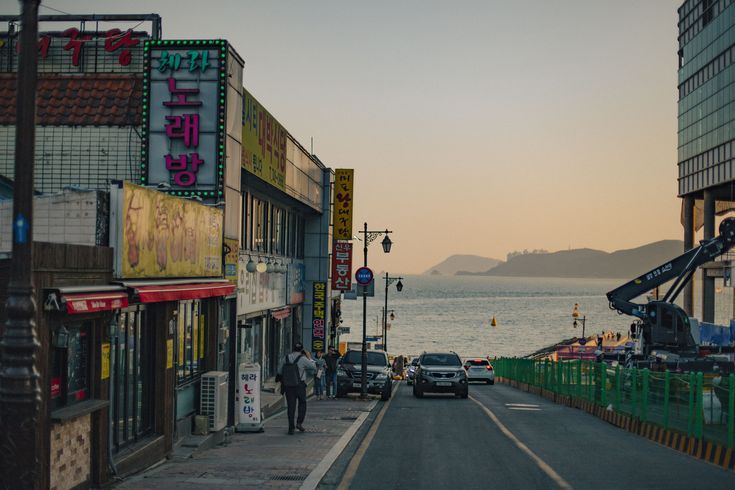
[{"x": 679, "y": 269}]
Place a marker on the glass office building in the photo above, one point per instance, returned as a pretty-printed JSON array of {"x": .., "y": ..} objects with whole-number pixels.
[{"x": 706, "y": 144}]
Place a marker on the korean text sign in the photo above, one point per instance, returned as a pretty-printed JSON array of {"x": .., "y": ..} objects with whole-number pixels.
[
  {"x": 185, "y": 118},
  {"x": 319, "y": 316},
  {"x": 248, "y": 387},
  {"x": 341, "y": 266},
  {"x": 263, "y": 143},
  {"x": 343, "y": 196}
]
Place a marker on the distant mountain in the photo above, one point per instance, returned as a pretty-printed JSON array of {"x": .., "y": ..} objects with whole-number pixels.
[
  {"x": 462, "y": 263},
  {"x": 586, "y": 262}
]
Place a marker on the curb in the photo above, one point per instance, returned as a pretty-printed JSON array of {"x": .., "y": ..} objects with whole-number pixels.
[{"x": 715, "y": 453}]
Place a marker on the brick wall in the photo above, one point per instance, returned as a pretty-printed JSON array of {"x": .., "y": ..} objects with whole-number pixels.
[
  {"x": 70, "y": 453},
  {"x": 72, "y": 217}
]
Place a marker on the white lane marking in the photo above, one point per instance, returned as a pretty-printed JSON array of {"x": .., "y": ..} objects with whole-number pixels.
[
  {"x": 531, "y": 405},
  {"x": 525, "y": 409},
  {"x": 543, "y": 465}
]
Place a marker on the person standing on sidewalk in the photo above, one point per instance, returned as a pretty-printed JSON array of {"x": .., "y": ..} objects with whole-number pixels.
[
  {"x": 331, "y": 359},
  {"x": 320, "y": 376},
  {"x": 292, "y": 374}
]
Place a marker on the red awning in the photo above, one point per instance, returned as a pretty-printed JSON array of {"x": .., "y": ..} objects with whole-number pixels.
[
  {"x": 281, "y": 314},
  {"x": 92, "y": 302},
  {"x": 156, "y": 294}
]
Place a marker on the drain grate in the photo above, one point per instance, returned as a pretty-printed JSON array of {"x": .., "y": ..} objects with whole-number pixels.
[{"x": 288, "y": 477}]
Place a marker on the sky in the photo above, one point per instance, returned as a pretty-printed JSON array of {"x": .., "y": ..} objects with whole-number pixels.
[{"x": 474, "y": 127}]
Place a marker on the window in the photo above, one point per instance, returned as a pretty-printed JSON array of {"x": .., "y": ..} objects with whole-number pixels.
[
  {"x": 440, "y": 360},
  {"x": 373, "y": 358},
  {"x": 189, "y": 340},
  {"x": 70, "y": 364},
  {"x": 132, "y": 381},
  {"x": 247, "y": 221}
]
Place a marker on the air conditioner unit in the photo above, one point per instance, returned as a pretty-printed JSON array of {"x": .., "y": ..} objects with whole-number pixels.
[{"x": 213, "y": 399}]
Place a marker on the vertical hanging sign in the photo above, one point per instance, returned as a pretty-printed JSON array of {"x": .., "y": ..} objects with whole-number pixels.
[
  {"x": 318, "y": 316},
  {"x": 341, "y": 266},
  {"x": 342, "y": 203},
  {"x": 184, "y": 90}
]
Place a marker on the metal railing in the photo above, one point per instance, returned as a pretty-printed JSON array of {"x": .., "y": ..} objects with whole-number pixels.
[{"x": 696, "y": 404}]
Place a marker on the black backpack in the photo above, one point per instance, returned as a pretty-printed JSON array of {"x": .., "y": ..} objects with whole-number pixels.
[{"x": 290, "y": 376}]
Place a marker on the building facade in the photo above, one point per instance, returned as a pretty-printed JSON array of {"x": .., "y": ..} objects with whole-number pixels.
[{"x": 706, "y": 127}]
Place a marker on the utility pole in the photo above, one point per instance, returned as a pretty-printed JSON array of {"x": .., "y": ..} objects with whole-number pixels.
[{"x": 20, "y": 392}]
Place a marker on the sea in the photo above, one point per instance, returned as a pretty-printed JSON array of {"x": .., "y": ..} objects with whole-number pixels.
[{"x": 455, "y": 313}]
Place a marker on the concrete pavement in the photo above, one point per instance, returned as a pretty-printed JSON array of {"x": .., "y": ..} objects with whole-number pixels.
[{"x": 271, "y": 459}]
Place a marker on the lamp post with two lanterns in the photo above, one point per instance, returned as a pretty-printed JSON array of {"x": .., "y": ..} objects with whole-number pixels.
[
  {"x": 399, "y": 287},
  {"x": 369, "y": 237}
]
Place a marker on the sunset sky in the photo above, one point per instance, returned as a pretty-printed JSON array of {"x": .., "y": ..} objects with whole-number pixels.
[{"x": 474, "y": 127}]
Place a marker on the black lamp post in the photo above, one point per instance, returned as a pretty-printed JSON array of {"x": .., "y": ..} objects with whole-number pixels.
[
  {"x": 20, "y": 392},
  {"x": 369, "y": 237},
  {"x": 399, "y": 287},
  {"x": 575, "y": 316}
]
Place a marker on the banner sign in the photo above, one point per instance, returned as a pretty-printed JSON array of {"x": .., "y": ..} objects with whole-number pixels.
[
  {"x": 263, "y": 143},
  {"x": 248, "y": 394},
  {"x": 157, "y": 235},
  {"x": 318, "y": 316},
  {"x": 296, "y": 283},
  {"x": 258, "y": 291},
  {"x": 341, "y": 266},
  {"x": 232, "y": 257},
  {"x": 184, "y": 116},
  {"x": 342, "y": 204}
]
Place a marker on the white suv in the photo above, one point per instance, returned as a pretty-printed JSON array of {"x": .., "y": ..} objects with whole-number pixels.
[{"x": 479, "y": 370}]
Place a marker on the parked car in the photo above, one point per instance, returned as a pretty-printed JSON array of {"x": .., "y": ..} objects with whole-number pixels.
[
  {"x": 411, "y": 371},
  {"x": 378, "y": 374},
  {"x": 479, "y": 370},
  {"x": 440, "y": 372}
]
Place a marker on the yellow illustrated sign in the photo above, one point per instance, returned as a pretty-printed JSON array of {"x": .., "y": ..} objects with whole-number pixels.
[
  {"x": 344, "y": 179},
  {"x": 263, "y": 143},
  {"x": 105, "y": 365},
  {"x": 166, "y": 236}
]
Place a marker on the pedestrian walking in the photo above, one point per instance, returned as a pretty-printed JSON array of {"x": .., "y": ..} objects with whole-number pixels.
[
  {"x": 331, "y": 359},
  {"x": 320, "y": 376},
  {"x": 292, "y": 375}
]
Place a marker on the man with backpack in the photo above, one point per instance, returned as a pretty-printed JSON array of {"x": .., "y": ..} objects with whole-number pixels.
[{"x": 292, "y": 374}]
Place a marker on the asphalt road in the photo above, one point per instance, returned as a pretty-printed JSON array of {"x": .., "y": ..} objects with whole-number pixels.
[{"x": 524, "y": 442}]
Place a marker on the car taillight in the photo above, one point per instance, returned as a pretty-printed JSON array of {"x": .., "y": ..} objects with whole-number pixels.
[
  {"x": 466, "y": 368},
  {"x": 489, "y": 367}
]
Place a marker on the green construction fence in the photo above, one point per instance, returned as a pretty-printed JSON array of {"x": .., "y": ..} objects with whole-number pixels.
[{"x": 696, "y": 404}]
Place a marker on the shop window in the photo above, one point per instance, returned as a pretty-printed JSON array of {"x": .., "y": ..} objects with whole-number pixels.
[
  {"x": 70, "y": 364},
  {"x": 131, "y": 383},
  {"x": 190, "y": 337}
]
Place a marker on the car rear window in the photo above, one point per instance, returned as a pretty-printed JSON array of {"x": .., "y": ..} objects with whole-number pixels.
[
  {"x": 477, "y": 362},
  {"x": 441, "y": 360},
  {"x": 373, "y": 358}
]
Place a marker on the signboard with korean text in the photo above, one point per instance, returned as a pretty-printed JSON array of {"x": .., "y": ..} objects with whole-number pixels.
[
  {"x": 342, "y": 204},
  {"x": 184, "y": 99},
  {"x": 156, "y": 235},
  {"x": 232, "y": 257},
  {"x": 341, "y": 266},
  {"x": 257, "y": 291},
  {"x": 263, "y": 143},
  {"x": 318, "y": 316},
  {"x": 248, "y": 398},
  {"x": 105, "y": 358},
  {"x": 86, "y": 44}
]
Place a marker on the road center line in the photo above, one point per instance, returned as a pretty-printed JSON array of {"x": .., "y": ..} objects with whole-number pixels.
[
  {"x": 351, "y": 470},
  {"x": 539, "y": 462}
]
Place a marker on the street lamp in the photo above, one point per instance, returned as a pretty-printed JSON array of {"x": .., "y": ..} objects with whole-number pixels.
[
  {"x": 575, "y": 316},
  {"x": 368, "y": 238},
  {"x": 399, "y": 287},
  {"x": 20, "y": 384}
]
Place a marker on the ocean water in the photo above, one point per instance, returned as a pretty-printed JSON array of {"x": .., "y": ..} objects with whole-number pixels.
[{"x": 454, "y": 313}]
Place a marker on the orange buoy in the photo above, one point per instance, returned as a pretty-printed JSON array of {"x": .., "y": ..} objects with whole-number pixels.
[{"x": 493, "y": 322}]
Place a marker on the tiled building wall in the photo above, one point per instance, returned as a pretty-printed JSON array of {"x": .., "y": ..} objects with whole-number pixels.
[
  {"x": 70, "y": 453},
  {"x": 74, "y": 217}
]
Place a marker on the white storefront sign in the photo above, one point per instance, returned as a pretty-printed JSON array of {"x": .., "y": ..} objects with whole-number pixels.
[
  {"x": 257, "y": 291},
  {"x": 249, "y": 418}
]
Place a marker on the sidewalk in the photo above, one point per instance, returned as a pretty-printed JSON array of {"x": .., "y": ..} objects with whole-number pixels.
[{"x": 271, "y": 459}]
